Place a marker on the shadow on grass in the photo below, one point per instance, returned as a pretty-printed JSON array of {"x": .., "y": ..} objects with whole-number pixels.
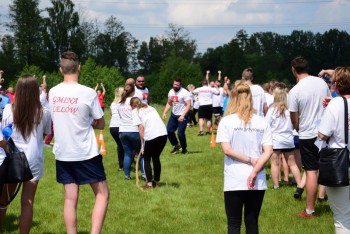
[
  {"x": 322, "y": 209},
  {"x": 10, "y": 224},
  {"x": 169, "y": 184}
]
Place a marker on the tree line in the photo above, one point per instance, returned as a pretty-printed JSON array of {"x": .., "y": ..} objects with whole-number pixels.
[{"x": 110, "y": 54}]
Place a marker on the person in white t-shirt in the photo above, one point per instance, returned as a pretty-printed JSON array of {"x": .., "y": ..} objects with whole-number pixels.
[
  {"x": 268, "y": 96},
  {"x": 205, "y": 99},
  {"x": 76, "y": 112},
  {"x": 31, "y": 122},
  {"x": 153, "y": 135},
  {"x": 141, "y": 91},
  {"x": 180, "y": 99},
  {"x": 305, "y": 106},
  {"x": 331, "y": 129},
  {"x": 278, "y": 118},
  {"x": 114, "y": 125},
  {"x": 218, "y": 101},
  {"x": 259, "y": 101},
  {"x": 128, "y": 132},
  {"x": 247, "y": 143}
]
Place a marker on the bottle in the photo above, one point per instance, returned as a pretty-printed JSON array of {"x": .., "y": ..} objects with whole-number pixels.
[{"x": 7, "y": 132}]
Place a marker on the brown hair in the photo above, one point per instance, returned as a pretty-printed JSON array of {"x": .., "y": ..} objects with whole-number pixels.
[
  {"x": 341, "y": 77},
  {"x": 247, "y": 74},
  {"x": 135, "y": 102},
  {"x": 27, "y": 109},
  {"x": 69, "y": 63},
  {"x": 129, "y": 91},
  {"x": 300, "y": 64}
]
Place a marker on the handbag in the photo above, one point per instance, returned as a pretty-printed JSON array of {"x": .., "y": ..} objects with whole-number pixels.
[
  {"x": 334, "y": 162},
  {"x": 14, "y": 169}
]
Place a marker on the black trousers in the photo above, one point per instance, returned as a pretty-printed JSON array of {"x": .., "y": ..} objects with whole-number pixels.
[
  {"x": 115, "y": 134},
  {"x": 251, "y": 200},
  {"x": 152, "y": 151}
]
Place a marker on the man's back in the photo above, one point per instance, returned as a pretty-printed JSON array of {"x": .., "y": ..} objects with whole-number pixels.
[
  {"x": 258, "y": 96},
  {"x": 73, "y": 108},
  {"x": 306, "y": 99}
]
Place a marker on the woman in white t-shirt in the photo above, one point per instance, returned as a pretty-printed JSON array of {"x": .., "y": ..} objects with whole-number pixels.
[
  {"x": 153, "y": 136},
  {"x": 128, "y": 132},
  {"x": 30, "y": 123},
  {"x": 332, "y": 127},
  {"x": 278, "y": 117},
  {"x": 247, "y": 143},
  {"x": 114, "y": 127}
]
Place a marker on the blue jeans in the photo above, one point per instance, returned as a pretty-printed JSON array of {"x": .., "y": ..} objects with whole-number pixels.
[
  {"x": 174, "y": 124},
  {"x": 131, "y": 143}
]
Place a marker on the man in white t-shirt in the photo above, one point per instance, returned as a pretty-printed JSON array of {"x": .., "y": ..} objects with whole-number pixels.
[
  {"x": 259, "y": 101},
  {"x": 180, "y": 99},
  {"x": 205, "y": 99},
  {"x": 305, "y": 106},
  {"x": 141, "y": 91},
  {"x": 75, "y": 111}
]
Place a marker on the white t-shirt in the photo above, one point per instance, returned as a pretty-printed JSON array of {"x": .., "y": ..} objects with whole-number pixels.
[
  {"x": 33, "y": 146},
  {"x": 269, "y": 99},
  {"x": 282, "y": 129},
  {"x": 205, "y": 95},
  {"x": 247, "y": 140},
  {"x": 2, "y": 151},
  {"x": 151, "y": 121},
  {"x": 43, "y": 99},
  {"x": 73, "y": 108},
  {"x": 178, "y": 100},
  {"x": 306, "y": 99},
  {"x": 258, "y": 96},
  {"x": 115, "y": 117},
  {"x": 218, "y": 100},
  {"x": 125, "y": 113},
  {"x": 332, "y": 123},
  {"x": 142, "y": 94}
]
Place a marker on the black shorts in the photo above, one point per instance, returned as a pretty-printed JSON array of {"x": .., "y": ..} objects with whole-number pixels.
[
  {"x": 205, "y": 112},
  {"x": 309, "y": 154},
  {"x": 284, "y": 150},
  {"x": 217, "y": 111},
  {"x": 80, "y": 172}
]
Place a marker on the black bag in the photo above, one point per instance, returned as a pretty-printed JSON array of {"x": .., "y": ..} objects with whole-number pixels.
[
  {"x": 14, "y": 170},
  {"x": 334, "y": 162}
]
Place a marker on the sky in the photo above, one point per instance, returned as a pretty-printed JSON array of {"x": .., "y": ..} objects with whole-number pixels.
[{"x": 212, "y": 23}]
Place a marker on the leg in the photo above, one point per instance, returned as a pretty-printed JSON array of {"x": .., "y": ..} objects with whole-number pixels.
[
  {"x": 147, "y": 153},
  {"x": 285, "y": 170},
  {"x": 7, "y": 192},
  {"x": 275, "y": 169},
  {"x": 100, "y": 208},
  {"x": 321, "y": 193},
  {"x": 208, "y": 125},
  {"x": 181, "y": 133},
  {"x": 171, "y": 128},
  {"x": 234, "y": 206},
  {"x": 115, "y": 134},
  {"x": 201, "y": 124},
  {"x": 311, "y": 189},
  {"x": 161, "y": 141},
  {"x": 252, "y": 207},
  {"x": 70, "y": 207},
  {"x": 27, "y": 203},
  {"x": 289, "y": 156},
  {"x": 127, "y": 146},
  {"x": 339, "y": 203}
]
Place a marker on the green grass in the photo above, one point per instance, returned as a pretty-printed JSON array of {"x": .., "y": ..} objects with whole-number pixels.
[{"x": 190, "y": 201}]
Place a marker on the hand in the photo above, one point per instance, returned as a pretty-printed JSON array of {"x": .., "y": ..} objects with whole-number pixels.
[
  {"x": 1, "y": 72},
  {"x": 325, "y": 101},
  {"x": 101, "y": 84},
  {"x": 164, "y": 116},
  {"x": 219, "y": 72},
  {"x": 2, "y": 80},
  {"x": 328, "y": 72},
  {"x": 181, "y": 118},
  {"x": 208, "y": 71},
  {"x": 251, "y": 180},
  {"x": 44, "y": 77}
]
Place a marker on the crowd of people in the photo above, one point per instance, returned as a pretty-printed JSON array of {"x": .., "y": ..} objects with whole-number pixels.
[{"x": 255, "y": 124}]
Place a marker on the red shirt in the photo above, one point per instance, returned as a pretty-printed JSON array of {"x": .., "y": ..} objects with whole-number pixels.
[
  {"x": 11, "y": 96},
  {"x": 101, "y": 99}
]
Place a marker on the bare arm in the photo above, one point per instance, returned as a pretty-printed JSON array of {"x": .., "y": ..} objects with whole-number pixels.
[
  {"x": 294, "y": 116},
  {"x": 188, "y": 107},
  {"x": 96, "y": 87},
  {"x": 166, "y": 109},
  {"x": 103, "y": 89},
  {"x": 207, "y": 76},
  {"x": 219, "y": 75},
  {"x": 322, "y": 136},
  {"x": 265, "y": 108}
]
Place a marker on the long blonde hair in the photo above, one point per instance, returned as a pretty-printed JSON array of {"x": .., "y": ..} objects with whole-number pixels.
[
  {"x": 135, "y": 102},
  {"x": 231, "y": 102},
  {"x": 280, "y": 100},
  {"x": 117, "y": 95}
]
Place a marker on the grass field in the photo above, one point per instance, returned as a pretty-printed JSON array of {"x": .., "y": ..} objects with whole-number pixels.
[{"x": 190, "y": 200}]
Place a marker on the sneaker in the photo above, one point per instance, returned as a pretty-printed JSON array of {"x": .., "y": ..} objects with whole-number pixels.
[
  {"x": 275, "y": 187},
  {"x": 320, "y": 200},
  {"x": 127, "y": 178},
  {"x": 304, "y": 214},
  {"x": 207, "y": 133},
  {"x": 156, "y": 183},
  {"x": 200, "y": 133},
  {"x": 146, "y": 186},
  {"x": 185, "y": 152},
  {"x": 298, "y": 192},
  {"x": 176, "y": 149}
]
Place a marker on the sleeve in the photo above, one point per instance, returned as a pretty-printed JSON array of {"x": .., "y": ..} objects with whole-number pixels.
[
  {"x": 223, "y": 133},
  {"x": 268, "y": 116},
  {"x": 267, "y": 136},
  {"x": 6, "y": 116},
  {"x": 136, "y": 118},
  {"x": 187, "y": 96},
  {"x": 328, "y": 117},
  {"x": 96, "y": 109},
  {"x": 292, "y": 103}
]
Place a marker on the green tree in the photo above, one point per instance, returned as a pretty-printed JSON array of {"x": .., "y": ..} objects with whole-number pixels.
[
  {"x": 26, "y": 24},
  {"x": 8, "y": 59}
]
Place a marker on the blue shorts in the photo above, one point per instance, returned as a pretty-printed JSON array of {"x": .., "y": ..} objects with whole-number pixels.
[{"x": 80, "y": 172}]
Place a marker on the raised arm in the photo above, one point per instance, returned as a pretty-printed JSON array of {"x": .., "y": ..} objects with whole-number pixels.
[
  {"x": 219, "y": 75},
  {"x": 207, "y": 76},
  {"x": 103, "y": 89}
]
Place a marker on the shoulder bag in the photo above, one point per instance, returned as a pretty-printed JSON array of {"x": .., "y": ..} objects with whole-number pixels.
[{"x": 334, "y": 162}]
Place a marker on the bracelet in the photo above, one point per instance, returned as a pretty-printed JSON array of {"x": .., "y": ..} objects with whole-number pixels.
[{"x": 249, "y": 161}]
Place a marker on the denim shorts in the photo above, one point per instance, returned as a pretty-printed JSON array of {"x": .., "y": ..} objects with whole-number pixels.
[{"x": 80, "y": 172}]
